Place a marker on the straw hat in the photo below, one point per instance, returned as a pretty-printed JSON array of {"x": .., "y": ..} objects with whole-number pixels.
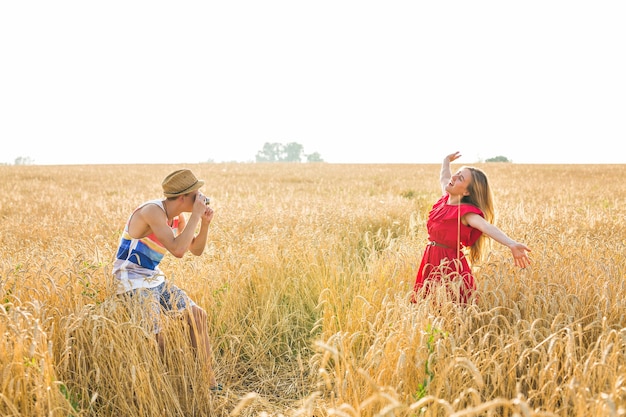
[{"x": 180, "y": 182}]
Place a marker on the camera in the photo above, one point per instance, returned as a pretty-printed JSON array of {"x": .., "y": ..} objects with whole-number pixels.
[{"x": 207, "y": 201}]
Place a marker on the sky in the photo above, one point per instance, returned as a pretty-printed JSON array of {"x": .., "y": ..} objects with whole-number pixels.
[{"x": 129, "y": 82}]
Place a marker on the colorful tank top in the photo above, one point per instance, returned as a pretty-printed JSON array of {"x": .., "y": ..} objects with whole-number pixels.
[{"x": 137, "y": 261}]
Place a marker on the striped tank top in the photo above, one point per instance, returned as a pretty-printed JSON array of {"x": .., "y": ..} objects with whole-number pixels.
[{"x": 136, "y": 263}]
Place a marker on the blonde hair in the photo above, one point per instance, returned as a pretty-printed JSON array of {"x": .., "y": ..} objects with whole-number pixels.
[{"x": 480, "y": 196}]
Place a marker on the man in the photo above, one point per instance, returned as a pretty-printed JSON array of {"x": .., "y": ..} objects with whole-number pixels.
[{"x": 153, "y": 229}]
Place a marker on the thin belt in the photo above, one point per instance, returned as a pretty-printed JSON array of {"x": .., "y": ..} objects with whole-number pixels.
[{"x": 431, "y": 243}]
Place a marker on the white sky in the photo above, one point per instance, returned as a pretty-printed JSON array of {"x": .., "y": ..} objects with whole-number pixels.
[{"x": 84, "y": 82}]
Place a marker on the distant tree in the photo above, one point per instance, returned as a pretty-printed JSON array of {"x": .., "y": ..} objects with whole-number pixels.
[
  {"x": 20, "y": 160},
  {"x": 290, "y": 152},
  {"x": 499, "y": 158},
  {"x": 270, "y": 152},
  {"x": 314, "y": 157}
]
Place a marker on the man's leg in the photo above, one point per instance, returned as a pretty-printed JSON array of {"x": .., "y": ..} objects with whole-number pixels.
[
  {"x": 199, "y": 333},
  {"x": 173, "y": 298}
]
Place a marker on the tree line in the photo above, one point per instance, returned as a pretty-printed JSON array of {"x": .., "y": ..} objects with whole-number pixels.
[{"x": 289, "y": 152}]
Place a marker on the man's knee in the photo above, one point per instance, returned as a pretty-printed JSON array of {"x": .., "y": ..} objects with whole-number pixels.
[{"x": 198, "y": 315}]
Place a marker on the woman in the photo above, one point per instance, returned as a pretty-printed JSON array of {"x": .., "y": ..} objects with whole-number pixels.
[{"x": 460, "y": 219}]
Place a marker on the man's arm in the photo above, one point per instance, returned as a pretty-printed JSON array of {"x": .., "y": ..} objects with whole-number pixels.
[
  {"x": 199, "y": 242},
  {"x": 155, "y": 218}
]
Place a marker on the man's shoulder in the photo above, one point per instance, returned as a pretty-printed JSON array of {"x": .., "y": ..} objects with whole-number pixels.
[
  {"x": 148, "y": 210},
  {"x": 150, "y": 205}
]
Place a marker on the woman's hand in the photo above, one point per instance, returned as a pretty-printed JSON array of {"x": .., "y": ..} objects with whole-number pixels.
[
  {"x": 453, "y": 156},
  {"x": 519, "y": 250},
  {"x": 520, "y": 255}
]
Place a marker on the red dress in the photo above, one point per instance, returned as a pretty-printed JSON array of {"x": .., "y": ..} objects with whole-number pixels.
[{"x": 443, "y": 257}]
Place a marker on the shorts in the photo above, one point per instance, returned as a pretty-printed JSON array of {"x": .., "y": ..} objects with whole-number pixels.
[{"x": 167, "y": 297}]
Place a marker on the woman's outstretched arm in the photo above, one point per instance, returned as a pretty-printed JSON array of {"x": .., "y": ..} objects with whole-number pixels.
[{"x": 518, "y": 250}]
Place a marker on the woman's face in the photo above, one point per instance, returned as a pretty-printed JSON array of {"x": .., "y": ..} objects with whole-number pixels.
[{"x": 459, "y": 182}]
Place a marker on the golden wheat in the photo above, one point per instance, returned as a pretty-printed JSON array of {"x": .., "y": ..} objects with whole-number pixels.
[{"x": 307, "y": 280}]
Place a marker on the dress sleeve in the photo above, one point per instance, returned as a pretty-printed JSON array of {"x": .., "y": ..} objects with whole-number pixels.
[
  {"x": 473, "y": 234},
  {"x": 468, "y": 208}
]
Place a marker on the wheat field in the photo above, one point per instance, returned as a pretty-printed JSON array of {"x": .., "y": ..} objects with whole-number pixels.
[{"x": 307, "y": 279}]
